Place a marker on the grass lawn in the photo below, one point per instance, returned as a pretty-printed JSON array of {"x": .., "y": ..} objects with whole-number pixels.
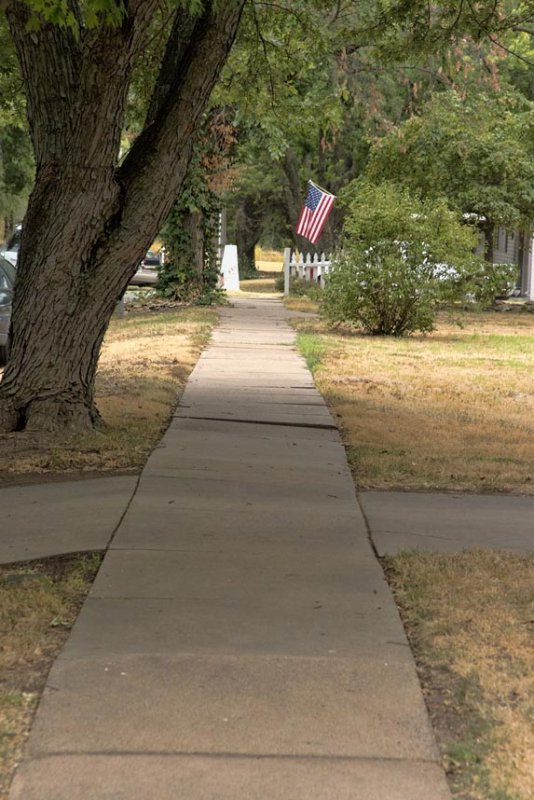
[
  {"x": 470, "y": 621},
  {"x": 144, "y": 364},
  {"x": 39, "y": 602},
  {"x": 453, "y": 410},
  {"x": 264, "y": 283}
]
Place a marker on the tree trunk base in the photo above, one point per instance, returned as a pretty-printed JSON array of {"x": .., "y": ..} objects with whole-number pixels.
[{"x": 48, "y": 416}]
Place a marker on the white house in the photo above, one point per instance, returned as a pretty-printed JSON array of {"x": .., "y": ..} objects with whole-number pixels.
[{"x": 514, "y": 247}]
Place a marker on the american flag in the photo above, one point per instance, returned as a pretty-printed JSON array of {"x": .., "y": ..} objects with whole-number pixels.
[{"x": 315, "y": 212}]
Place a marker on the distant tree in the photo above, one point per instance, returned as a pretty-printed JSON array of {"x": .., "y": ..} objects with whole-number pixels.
[
  {"x": 190, "y": 234},
  {"x": 477, "y": 152},
  {"x": 16, "y": 173}
]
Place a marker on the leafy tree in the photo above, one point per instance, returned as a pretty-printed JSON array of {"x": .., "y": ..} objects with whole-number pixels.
[
  {"x": 477, "y": 152},
  {"x": 95, "y": 209},
  {"x": 16, "y": 158},
  {"x": 191, "y": 269},
  {"x": 402, "y": 258},
  {"x": 319, "y": 108},
  {"x": 92, "y": 216}
]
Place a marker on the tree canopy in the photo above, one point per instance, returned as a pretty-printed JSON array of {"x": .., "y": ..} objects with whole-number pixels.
[
  {"x": 115, "y": 96},
  {"x": 476, "y": 151}
]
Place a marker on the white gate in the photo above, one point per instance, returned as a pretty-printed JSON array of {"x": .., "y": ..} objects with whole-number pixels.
[{"x": 311, "y": 269}]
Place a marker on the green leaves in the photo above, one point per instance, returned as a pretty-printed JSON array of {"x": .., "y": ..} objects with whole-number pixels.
[
  {"x": 402, "y": 257},
  {"x": 476, "y": 151},
  {"x": 85, "y": 14}
]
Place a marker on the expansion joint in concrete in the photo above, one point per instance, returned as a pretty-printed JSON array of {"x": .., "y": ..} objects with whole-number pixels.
[
  {"x": 232, "y": 756},
  {"x": 276, "y": 424}
]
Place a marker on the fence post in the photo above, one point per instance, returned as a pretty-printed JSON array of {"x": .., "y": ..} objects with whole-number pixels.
[{"x": 287, "y": 261}]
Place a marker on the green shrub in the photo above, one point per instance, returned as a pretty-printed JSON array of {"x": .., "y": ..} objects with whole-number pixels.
[
  {"x": 402, "y": 258},
  {"x": 298, "y": 287},
  {"x": 492, "y": 281}
]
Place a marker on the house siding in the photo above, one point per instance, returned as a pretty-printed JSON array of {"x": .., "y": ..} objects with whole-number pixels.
[{"x": 508, "y": 249}]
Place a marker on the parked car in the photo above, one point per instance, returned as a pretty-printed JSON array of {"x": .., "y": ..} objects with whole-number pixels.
[
  {"x": 11, "y": 250},
  {"x": 147, "y": 272},
  {"x": 7, "y": 282}
]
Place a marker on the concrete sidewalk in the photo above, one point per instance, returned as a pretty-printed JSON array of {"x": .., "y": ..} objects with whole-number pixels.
[
  {"x": 50, "y": 519},
  {"x": 448, "y": 523},
  {"x": 240, "y": 642}
]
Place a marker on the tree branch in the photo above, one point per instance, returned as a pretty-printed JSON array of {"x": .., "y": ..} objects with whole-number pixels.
[
  {"x": 153, "y": 171},
  {"x": 181, "y": 32}
]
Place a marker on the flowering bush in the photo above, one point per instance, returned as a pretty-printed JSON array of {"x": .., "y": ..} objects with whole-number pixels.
[{"x": 403, "y": 258}]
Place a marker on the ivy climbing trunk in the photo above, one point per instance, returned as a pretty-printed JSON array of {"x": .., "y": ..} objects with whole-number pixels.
[{"x": 89, "y": 219}]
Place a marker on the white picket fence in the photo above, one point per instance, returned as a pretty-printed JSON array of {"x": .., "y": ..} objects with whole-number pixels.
[{"x": 311, "y": 269}]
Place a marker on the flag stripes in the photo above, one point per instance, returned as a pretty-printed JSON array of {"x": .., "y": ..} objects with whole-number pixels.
[{"x": 315, "y": 212}]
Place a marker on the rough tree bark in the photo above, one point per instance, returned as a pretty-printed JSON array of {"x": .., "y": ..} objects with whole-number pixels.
[
  {"x": 248, "y": 226},
  {"x": 89, "y": 219}
]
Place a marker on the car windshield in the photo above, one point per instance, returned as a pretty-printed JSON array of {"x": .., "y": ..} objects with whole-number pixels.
[{"x": 8, "y": 274}]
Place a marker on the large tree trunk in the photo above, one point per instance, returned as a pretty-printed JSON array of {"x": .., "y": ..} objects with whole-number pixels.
[
  {"x": 247, "y": 233},
  {"x": 90, "y": 221}
]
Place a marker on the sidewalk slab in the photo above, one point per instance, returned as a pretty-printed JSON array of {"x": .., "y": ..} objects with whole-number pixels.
[
  {"x": 270, "y": 414},
  {"x": 237, "y": 444},
  {"x": 50, "y": 519},
  {"x": 263, "y": 705},
  {"x": 183, "y": 776},
  {"x": 226, "y": 495},
  {"x": 331, "y": 582},
  {"x": 262, "y": 430},
  {"x": 240, "y": 636},
  {"x": 449, "y": 523},
  {"x": 116, "y": 627},
  {"x": 168, "y": 526}
]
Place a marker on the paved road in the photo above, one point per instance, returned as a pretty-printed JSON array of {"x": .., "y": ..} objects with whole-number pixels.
[{"x": 240, "y": 640}]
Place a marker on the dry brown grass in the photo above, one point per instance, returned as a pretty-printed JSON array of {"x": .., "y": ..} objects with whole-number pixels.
[
  {"x": 261, "y": 285},
  {"x": 449, "y": 410},
  {"x": 39, "y": 602},
  {"x": 145, "y": 362},
  {"x": 269, "y": 260},
  {"x": 470, "y": 619},
  {"x": 301, "y": 304}
]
